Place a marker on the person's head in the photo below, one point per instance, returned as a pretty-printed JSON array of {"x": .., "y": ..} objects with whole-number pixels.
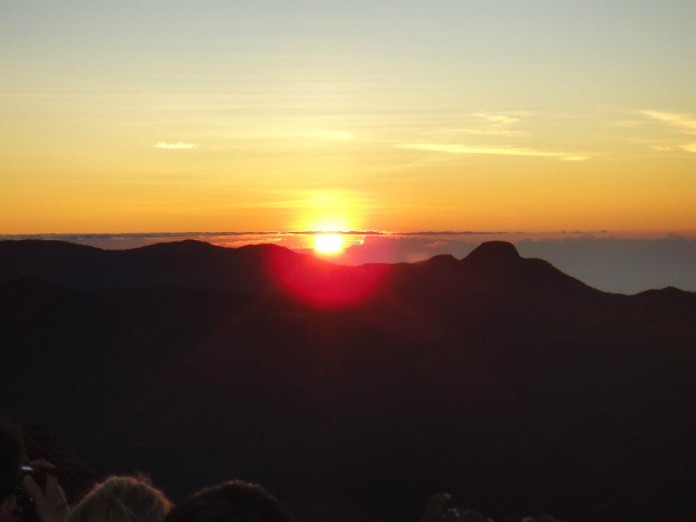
[
  {"x": 122, "y": 499},
  {"x": 231, "y": 501},
  {"x": 11, "y": 453}
]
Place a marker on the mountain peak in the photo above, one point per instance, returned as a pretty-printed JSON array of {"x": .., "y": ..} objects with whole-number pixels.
[
  {"x": 441, "y": 260},
  {"x": 494, "y": 251}
]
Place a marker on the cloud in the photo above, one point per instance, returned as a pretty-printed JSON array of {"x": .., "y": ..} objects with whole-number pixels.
[
  {"x": 685, "y": 122},
  {"x": 492, "y": 124},
  {"x": 175, "y": 146},
  {"x": 499, "y": 151},
  {"x": 497, "y": 119}
]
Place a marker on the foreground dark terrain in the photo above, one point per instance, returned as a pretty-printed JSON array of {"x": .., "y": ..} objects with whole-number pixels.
[{"x": 355, "y": 393}]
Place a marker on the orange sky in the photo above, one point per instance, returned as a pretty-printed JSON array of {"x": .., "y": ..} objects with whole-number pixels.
[{"x": 397, "y": 116}]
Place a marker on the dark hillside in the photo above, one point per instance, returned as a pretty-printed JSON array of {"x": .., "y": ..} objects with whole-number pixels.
[{"x": 497, "y": 378}]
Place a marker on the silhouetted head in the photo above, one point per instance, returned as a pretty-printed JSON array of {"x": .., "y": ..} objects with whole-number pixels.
[
  {"x": 122, "y": 499},
  {"x": 232, "y": 501},
  {"x": 11, "y": 453}
]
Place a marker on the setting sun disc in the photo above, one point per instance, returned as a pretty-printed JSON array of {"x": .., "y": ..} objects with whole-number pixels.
[{"x": 328, "y": 244}]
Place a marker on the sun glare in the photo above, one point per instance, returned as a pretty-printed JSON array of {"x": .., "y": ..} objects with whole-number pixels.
[{"x": 328, "y": 244}]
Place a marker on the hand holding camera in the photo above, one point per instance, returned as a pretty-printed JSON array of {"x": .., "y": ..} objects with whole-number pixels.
[{"x": 41, "y": 485}]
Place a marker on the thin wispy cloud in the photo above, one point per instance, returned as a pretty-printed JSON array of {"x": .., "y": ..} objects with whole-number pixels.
[
  {"x": 491, "y": 124},
  {"x": 687, "y": 147},
  {"x": 179, "y": 145},
  {"x": 498, "y": 119},
  {"x": 496, "y": 151},
  {"x": 685, "y": 122}
]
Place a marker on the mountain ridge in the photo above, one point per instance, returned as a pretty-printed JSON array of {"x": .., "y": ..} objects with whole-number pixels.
[
  {"x": 372, "y": 387},
  {"x": 182, "y": 262}
]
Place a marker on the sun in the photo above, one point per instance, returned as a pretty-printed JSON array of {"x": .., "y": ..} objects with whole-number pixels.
[{"x": 328, "y": 244}]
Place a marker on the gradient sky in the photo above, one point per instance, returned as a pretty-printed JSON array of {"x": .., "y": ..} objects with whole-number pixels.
[{"x": 172, "y": 115}]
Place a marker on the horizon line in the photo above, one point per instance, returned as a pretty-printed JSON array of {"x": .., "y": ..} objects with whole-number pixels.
[
  {"x": 342, "y": 232},
  {"x": 601, "y": 233}
]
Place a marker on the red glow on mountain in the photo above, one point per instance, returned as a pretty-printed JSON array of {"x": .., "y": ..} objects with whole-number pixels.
[{"x": 322, "y": 284}]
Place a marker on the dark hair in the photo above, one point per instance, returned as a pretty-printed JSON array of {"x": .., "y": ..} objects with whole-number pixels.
[
  {"x": 11, "y": 452},
  {"x": 231, "y": 501}
]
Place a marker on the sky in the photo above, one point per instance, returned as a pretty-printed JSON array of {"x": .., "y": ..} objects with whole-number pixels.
[{"x": 405, "y": 115}]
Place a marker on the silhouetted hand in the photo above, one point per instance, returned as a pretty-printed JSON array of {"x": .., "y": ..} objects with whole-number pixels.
[
  {"x": 440, "y": 509},
  {"x": 51, "y": 503}
]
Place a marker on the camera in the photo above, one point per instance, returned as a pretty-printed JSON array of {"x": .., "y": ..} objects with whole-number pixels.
[
  {"x": 37, "y": 473},
  {"x": 24, "y": 504}
]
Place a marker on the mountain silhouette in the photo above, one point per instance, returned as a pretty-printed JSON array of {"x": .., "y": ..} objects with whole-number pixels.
[
  {"x": 355, "y": 393},
  {"x": 267, "y": 268}
]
